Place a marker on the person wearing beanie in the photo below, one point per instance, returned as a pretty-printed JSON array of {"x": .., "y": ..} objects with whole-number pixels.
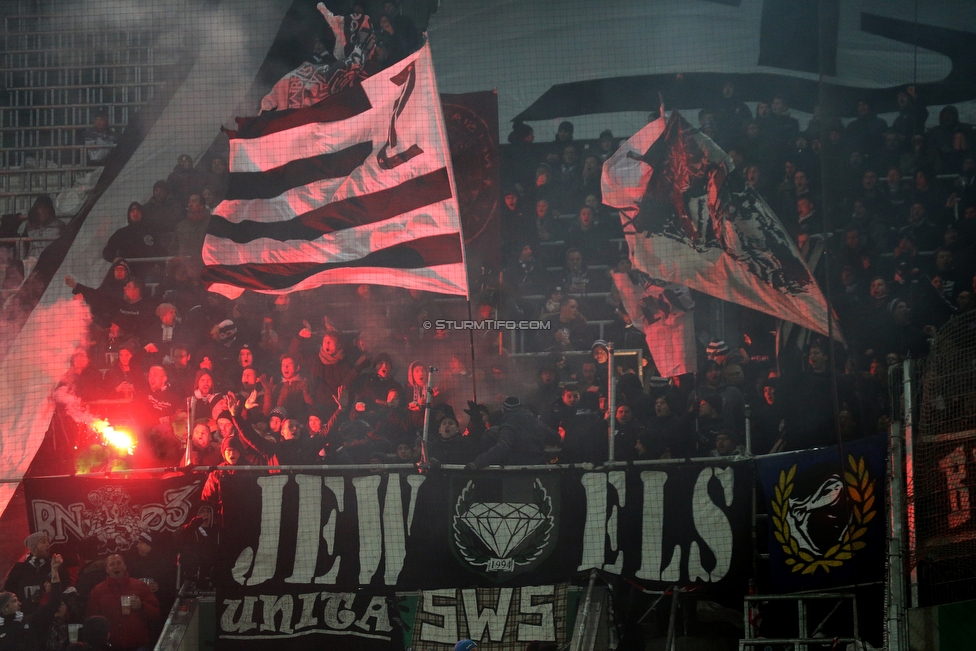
[
  {"x": 22, "y": 630},
  {"x": 26, "y": 578},
  {"x": 295, "y": 447},
  {"x": 717, "y": 351},
  {"x": 151, "y": 562},
  {"x": 565, "y": 132},
  {"x": 276, "y": 417},
  {"x": 709, "y": 421},
  {"x": 360, "y": 443},
  {"x": 223, "y": 350},
  {"x": 163, "y": 210},
  {"x": 447, "y": 445},
  {"x": 225, "y": 425},
  {"x": 520, "y": 438},
  {"x": 232, "y": 455}
]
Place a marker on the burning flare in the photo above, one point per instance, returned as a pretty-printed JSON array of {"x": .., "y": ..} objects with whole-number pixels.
[{"x": 118, "y": 439}]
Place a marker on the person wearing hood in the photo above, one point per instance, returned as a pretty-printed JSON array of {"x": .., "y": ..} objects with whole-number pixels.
[
  {"x": 137, "y": 239},
  {"x": 128, "y": 624},
  {"x": 132, "y": 311},
  {"x": 116, "y": 277},
  {"x": 417, "y": 388},
  {"x": 19, "y": 630}
]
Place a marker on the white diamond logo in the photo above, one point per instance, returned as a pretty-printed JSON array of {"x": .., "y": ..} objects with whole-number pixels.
[{"x": 503, "y": 526}]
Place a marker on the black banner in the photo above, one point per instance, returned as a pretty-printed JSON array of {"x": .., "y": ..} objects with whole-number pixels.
[
  {"x": 472, "y": 132},
  {"x": 111, "y": 511},
  {"x": 310, "y": 557},
  {"x": 827, "y": 515}
]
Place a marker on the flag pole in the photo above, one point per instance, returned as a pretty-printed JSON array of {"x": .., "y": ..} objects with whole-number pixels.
[
  {"x": 191, "y": 404},
  {"x": 612, "y": 398},
  {"x": 428, "y": 398},
  {"x": 474, "y": 381}
]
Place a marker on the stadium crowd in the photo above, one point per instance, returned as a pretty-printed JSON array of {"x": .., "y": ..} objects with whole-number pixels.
[{"x": 885, "y": 215}]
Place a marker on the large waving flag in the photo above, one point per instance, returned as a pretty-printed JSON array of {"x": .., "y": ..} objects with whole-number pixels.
[
  {"x": 355, "y": 189},
  {"x": 666, "y": 314},
  {"x": 690, "y": 218}
]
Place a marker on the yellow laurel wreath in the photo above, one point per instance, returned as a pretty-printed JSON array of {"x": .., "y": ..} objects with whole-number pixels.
[{"x": 860, "y": 487}]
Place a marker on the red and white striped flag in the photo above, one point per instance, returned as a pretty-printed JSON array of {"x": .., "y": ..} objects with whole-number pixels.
[{"x": 355, "y": 189}]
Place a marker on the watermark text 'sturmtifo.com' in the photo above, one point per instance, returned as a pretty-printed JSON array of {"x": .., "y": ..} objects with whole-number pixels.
[{"x": 486, "y": 324}]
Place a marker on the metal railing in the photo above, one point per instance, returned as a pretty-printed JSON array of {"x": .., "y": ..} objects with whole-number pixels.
[{"x": 63, "y": 156}]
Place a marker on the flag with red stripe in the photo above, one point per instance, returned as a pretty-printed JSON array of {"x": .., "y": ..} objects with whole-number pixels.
[{"x": 355, "y": 189}]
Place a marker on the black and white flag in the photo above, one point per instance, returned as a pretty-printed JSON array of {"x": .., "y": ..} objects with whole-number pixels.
[{"x": 355, "y": 189}]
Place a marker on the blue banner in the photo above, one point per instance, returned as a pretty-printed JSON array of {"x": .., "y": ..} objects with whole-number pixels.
[{"x": 826, "y": 515}]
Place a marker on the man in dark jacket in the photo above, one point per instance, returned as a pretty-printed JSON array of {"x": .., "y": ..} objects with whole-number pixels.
[
  {"x": 519, "y": 438},
  {"x": 26, "y": 578},
  {"x": 20, "y": 631},
  {"x": 151, "y": 564},
  {"x": 449, "y": 446},
  {"x": 586, "y": 433},
  {"x": 137, "y": 239}
]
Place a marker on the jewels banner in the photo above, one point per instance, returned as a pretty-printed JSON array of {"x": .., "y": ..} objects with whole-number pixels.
[{"x": 312, "y": 557}]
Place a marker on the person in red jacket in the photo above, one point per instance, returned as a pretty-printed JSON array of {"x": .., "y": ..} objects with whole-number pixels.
[{"x": 129, "y": 623}]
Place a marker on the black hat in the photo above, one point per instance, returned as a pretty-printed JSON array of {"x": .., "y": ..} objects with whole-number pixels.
[
  {"x": 714, "y": 401},
  {"x": 520, "y": 131},
  {"x": 146, "y": 537},
  {"x": 566, "y": 125},
  {"x": 511, "y": 404},
  {"x": 280, "y": 412}
]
